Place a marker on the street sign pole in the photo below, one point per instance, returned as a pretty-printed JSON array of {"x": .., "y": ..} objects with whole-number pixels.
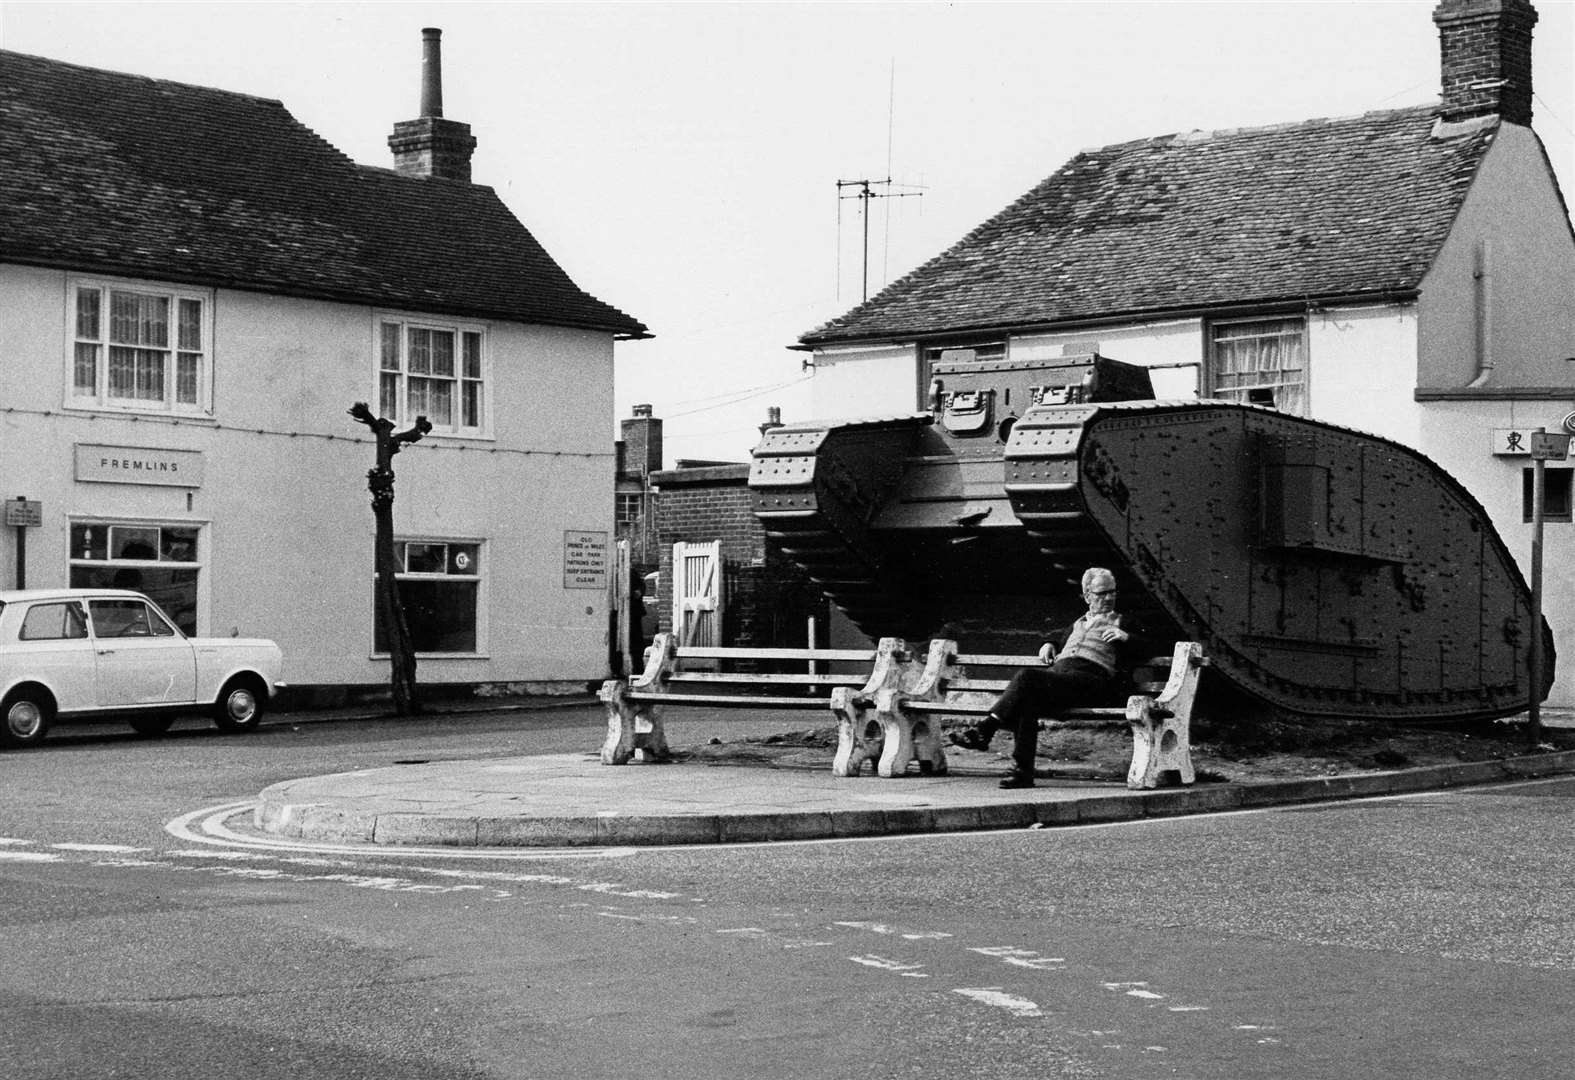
[
  {"x": 1544, "y": 448},
  {"x": 1538, "y": 493}
]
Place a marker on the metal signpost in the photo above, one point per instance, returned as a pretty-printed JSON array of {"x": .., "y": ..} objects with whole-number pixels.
[
  {"x": 1545, "y": 447},
  {"x": 22, "y": 515}
]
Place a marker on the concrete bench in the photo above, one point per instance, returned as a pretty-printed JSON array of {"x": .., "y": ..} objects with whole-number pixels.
[
  {"x": 884, "y": 711},
  {"x": 895, "y": 723},
  {"x": 713, "y": 675}
]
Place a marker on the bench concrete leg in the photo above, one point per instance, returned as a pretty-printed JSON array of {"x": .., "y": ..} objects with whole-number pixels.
[
  {"x": 859, "y": 734},
  {"x": 907, "y": 738},
  {"x": 632, "y": 727},
  {"x": 1161, "y": 742}
]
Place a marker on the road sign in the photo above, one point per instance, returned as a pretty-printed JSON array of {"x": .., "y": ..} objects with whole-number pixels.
[
  {"x": 1549, "y": 446},
  {"x": 24, "y": 513}
]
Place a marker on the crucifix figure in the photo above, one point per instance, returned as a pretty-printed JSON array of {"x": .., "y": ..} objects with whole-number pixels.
[{"x": 380, "y": 480}]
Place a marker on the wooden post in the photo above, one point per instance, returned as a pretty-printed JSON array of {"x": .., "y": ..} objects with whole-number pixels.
[{"x": 380, "y": 480}]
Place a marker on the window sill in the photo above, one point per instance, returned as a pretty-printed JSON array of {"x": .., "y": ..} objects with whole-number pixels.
[
  {"x": 150, "y": 414},
  {"x": 421, "y": 656}
]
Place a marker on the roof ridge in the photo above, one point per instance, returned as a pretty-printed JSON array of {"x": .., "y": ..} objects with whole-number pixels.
[{"x": 52, "y": 62}]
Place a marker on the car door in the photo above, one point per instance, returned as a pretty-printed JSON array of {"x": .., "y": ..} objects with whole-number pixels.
[
  {"x": 141, "y": 658},
  {"x": 52, "y": 646}
]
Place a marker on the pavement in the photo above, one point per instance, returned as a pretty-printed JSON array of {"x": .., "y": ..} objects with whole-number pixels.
[{"x": 567, "y": 800}]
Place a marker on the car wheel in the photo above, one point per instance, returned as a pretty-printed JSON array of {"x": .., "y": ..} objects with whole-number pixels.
[
  {"x": 151, "y": 726},
  {"x": 239, "y": 706},
  {"x": 25, "y": 717}
]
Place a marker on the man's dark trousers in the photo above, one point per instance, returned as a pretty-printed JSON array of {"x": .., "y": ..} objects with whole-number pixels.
[{"x": 1046, "y": 691}]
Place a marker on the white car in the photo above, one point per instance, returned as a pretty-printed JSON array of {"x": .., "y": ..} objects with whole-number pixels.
[{"x": 84, "y": 653}]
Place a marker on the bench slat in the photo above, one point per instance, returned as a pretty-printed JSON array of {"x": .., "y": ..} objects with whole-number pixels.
[
  {"x": 805, "y": 702},
  {"x": 774, "y": 677},
  {"x": 731, "y": 652}
]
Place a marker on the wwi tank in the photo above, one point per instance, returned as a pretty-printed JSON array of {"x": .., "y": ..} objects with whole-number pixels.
[{"x": 1326, "y": 572}]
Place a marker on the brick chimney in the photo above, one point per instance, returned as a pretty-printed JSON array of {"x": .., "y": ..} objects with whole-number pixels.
[
  {"x": 1485, "y": 47},
  {"x": 431, "y": 145},
  {"x": 642, "y": 440}
]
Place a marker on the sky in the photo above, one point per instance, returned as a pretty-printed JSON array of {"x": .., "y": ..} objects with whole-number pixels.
[{"x": 682, "y": 161}]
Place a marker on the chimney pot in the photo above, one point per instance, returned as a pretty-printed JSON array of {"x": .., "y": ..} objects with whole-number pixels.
[{"x": 431, "y": 72}]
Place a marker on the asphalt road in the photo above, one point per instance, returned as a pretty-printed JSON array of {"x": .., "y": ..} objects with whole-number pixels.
[{"x": 1422, "y": 937}]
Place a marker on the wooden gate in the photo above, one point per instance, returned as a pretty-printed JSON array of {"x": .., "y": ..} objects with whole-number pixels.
[{"x": 697, "y": 593}]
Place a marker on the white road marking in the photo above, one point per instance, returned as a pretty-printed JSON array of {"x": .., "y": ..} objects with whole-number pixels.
[
  {"x": 897, "y": 967},
  {"x": 30, "y": 856},
  {"x": 1024, "y": 958},
  {"x": 882, "y": 928},
  {"x": 997, "y": 998},
  {"x": 8, "y": 841},
  {"x": 124, "y": 849}
]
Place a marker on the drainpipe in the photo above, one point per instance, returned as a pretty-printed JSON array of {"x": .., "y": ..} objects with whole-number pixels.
[{"x": 1482, "y": 297}]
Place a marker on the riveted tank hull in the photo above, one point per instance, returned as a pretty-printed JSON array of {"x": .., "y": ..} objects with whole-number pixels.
[{"x": 1326, "y": 572}]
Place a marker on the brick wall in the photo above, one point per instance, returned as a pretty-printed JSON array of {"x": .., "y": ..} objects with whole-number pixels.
[{"x": 766, "y": 598}]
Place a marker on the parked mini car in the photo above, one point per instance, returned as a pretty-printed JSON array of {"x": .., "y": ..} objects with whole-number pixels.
[{"x": 89, "y": 653}]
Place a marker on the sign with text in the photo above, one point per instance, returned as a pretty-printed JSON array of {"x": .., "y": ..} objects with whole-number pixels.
[
  {"x": 24, "y": 513},
  {"x": 584, "y": 560},
  {"x": 1512, "y": 442},
  {"x": 138, "y": 465},
  {"x": 1549, "y": 446}
]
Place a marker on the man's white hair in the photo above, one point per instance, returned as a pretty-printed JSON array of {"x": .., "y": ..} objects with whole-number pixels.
[{"x": 1094, "y": 573}]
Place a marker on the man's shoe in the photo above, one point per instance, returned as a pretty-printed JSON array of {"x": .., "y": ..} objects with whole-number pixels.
[
  {"x": 971, "y": 737},
  {"x": 1017, "y": 779}
]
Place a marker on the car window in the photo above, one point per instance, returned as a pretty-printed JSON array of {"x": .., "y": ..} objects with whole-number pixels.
[
  {"x": 120, "y": 618},
  {"x": 53, "y": 622}
]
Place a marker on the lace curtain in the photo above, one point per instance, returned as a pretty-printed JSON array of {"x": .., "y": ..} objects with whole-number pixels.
[{"x": 1262, "y": 363}]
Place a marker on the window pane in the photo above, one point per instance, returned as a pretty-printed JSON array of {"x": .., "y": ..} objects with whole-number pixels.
[
  {"x": 190, "y": 324},
  {"x": 53, "y": 622},
  {"x": 89, "y": 541},
  {"x": 84, "y": 372},
  {"x": 420, "y": 358},
  {"x": 426, "y": 558},
  {"x": 87, "y": 313},
  {"x": 1261, "y": 363},
  {"x": 136, "y": 373},
  {"x": 440, "y": 402},
  {"x": 135, "y": 319},
  {"x": 390, "y": 349},
  {"x": 133, "y": 542},
  {"x": 187, "y": 368},
  {"x": 177, "y": 544},
  {"x": 173, "y": 590},
  {"x": 419, "y": 396},
  {"x": 119, "y": 618},
  {"x": 464, "y": 558},
  {"x": 388, "y": 396},
  {"x": 472, "y": 342},
  {"x": 441, "y": 614},
  {"x": 442, "y": 353},
  {"x": 472, "y": 404}
]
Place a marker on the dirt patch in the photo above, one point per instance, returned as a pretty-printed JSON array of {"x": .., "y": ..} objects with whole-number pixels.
[{"x": 1222, "y": 750}]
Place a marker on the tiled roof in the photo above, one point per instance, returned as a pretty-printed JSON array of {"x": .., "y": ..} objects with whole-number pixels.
[
  {"x": 1201, "y": 220},
  {"x": 143, "y": 177}
]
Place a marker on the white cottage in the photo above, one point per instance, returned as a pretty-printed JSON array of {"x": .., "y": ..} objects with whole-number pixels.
[{"x": 195, "y": 287}]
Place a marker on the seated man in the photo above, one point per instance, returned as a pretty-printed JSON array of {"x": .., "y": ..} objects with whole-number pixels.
[{"x": 1083, "y": 672}]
